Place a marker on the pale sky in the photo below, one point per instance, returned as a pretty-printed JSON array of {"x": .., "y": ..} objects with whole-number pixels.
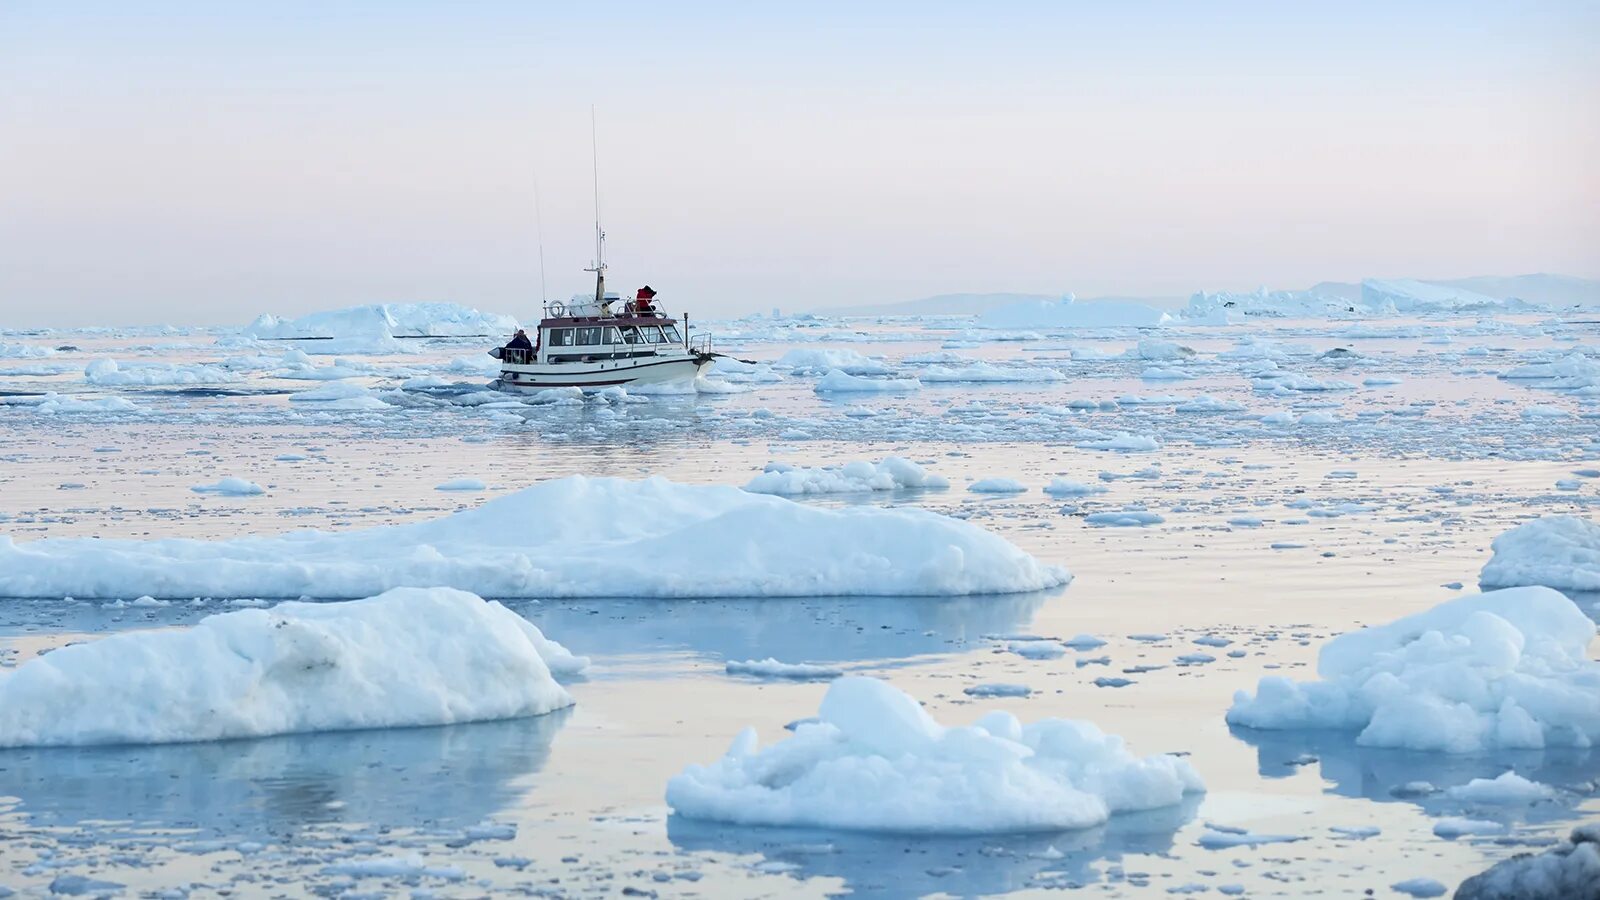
[{"x": 198, "y": 162}]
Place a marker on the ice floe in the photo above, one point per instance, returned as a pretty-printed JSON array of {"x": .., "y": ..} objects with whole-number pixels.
[
  {"x": 876, "y": 761},
  {"x": 858, "y": 476},
  {"x": 411, "y": 656},
  {"x": 837, "y": 381},
  {"x": 1562, "y": 552},
  {"x": 111, "y": 373},
  {"x": 387, "y": 320},
  {"x": 561, "y": 538},
  {"x": 1568, "y": 871},
  {"x": 819, "y": 361},
  {"x": 1501, "y": 670}
]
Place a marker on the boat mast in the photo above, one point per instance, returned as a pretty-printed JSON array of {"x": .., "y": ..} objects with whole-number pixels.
[{"x": 599, "y": 268}]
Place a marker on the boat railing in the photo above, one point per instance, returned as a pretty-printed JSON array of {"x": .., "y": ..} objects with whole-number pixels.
[
  {"x": 700, "y": 343},
  {"x": 517, "y": 356}
]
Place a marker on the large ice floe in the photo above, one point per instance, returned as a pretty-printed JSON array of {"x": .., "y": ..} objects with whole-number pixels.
[
  {"x": 411, "y": 656},
  {"x": 1501, "y": 670},
  {"x": 1568, "y": 871},
  {"x": 111, "y": 373},
  {"x": 562, "y": 538},
  {"x": 1562, "y": 552},
  {"x": 858, "y": 476},
  {"x": 874, "y": 760}
]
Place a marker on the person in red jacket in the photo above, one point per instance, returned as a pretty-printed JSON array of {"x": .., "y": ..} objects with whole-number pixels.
[{"x": 642, "y": 302}]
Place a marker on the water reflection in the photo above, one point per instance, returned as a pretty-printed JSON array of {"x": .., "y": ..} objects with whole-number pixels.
[
  {"x": 833, "y": 629},
  {"x": 444, "y": 777},
  {"x": 875, "y": 865},
  {"x": 1380, "y": 774}
]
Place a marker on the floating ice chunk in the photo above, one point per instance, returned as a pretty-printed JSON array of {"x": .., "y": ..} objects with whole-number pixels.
[
  {"x": 1568, "y": 871},
  {"x": 1165, "y": 373},
  {"x": 232, "y": 487},
  {"x": 1380, "y": 380},
  {"x": 1124, "y": 518},
  {"x": 1112, "y": 682},
  {"x": 396, "y": 867},
  {"x": 982, "y": 372},
  {"x": 1420, "y": 887},
  {"x": 1205, "y": 403},
  {"x": 1562, "y": 552},
  {"x": 1505, "y": 669},
  {"x": 998, "y": 689},
  {"x": 771, "y": 668},
  {"x": 1452, "y": 827},
  {"x": 1545, "y": 412},
  {"x": 24, "y": 351},
  {"x": 413, "y": 656},
  {"x": 1038, "y": 650},
  {"x": 1066, "y": 487},
  {"x": 461, "y": 484},
  {"x": 562, "y": 538},
  {"x": 1508, "y": 789},
  {"x": 1084, "y": 642},
  {"x": 877, "y": 762},
  {"x": 1151, "y": 348},
  {"x": 858, "y": 476},
  {"x": 817, "y": 361},
  {"x": 1215, "y": 838},
  {"x": 1122, "y": 441},
  {"x": 1356, "y": 832},
  {"x": 841, "y": 382},
  {"x": 110, "y": 373},
  {"x": 338, "y": 390},
  {"x": 997, "y": 486}
]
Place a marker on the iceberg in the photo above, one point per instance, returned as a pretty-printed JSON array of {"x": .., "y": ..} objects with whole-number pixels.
[
  {"x": 110, "y": 373},
  {"x": 385, "y": 320},
  {"x": 1562, "y": 552},
  {"x": 874, "y": 760},
  {"x": 1500, "y": 670},
  {"x": 808, "y": 361},
  {"x": 1568, "y": 871},
  {"x": 561, "y": 538},
  {"x": 412, "y": 656}
]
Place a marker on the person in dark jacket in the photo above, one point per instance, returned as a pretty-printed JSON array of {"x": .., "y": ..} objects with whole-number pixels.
[{"x": 520, "y": 341}]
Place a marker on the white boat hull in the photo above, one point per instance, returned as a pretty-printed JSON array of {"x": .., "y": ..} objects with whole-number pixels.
[{"x": 600, "y": 373}]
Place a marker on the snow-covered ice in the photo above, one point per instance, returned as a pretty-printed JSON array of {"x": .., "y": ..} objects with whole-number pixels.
[
  {"x": 1505, "y": 669},
  {"x": 876, "y": 761},
  {"x": 1562, "y": 552},
  {"x": 857, "y": 476},
  {"x": 1568, "y": 871},
  {"x": 412, "y": 656},
  {"x": 561, "y": 538}
]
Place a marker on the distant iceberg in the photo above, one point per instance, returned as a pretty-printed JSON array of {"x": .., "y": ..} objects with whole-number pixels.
[{"x": 385, "y": 320}]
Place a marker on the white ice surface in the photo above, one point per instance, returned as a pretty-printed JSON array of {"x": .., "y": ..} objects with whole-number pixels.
[
  {"x": 858, "y": 476},
  {"x": 1501, "y": 670},
  {"x": 1562, "y": 552},
  {"x": 876, "y": 761},
  {"x": 1568, "y": 871},
  {"x": 561, "y": 538},
  {"x": 412, "y": 656}
]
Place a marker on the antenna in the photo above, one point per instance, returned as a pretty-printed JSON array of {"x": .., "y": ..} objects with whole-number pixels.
[
  {"x": 599, "y": 269},
  {"x": 538, "y": 219}
]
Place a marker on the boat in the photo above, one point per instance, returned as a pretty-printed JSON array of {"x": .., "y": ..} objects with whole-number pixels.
[{"x": 603, "y": 342}]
